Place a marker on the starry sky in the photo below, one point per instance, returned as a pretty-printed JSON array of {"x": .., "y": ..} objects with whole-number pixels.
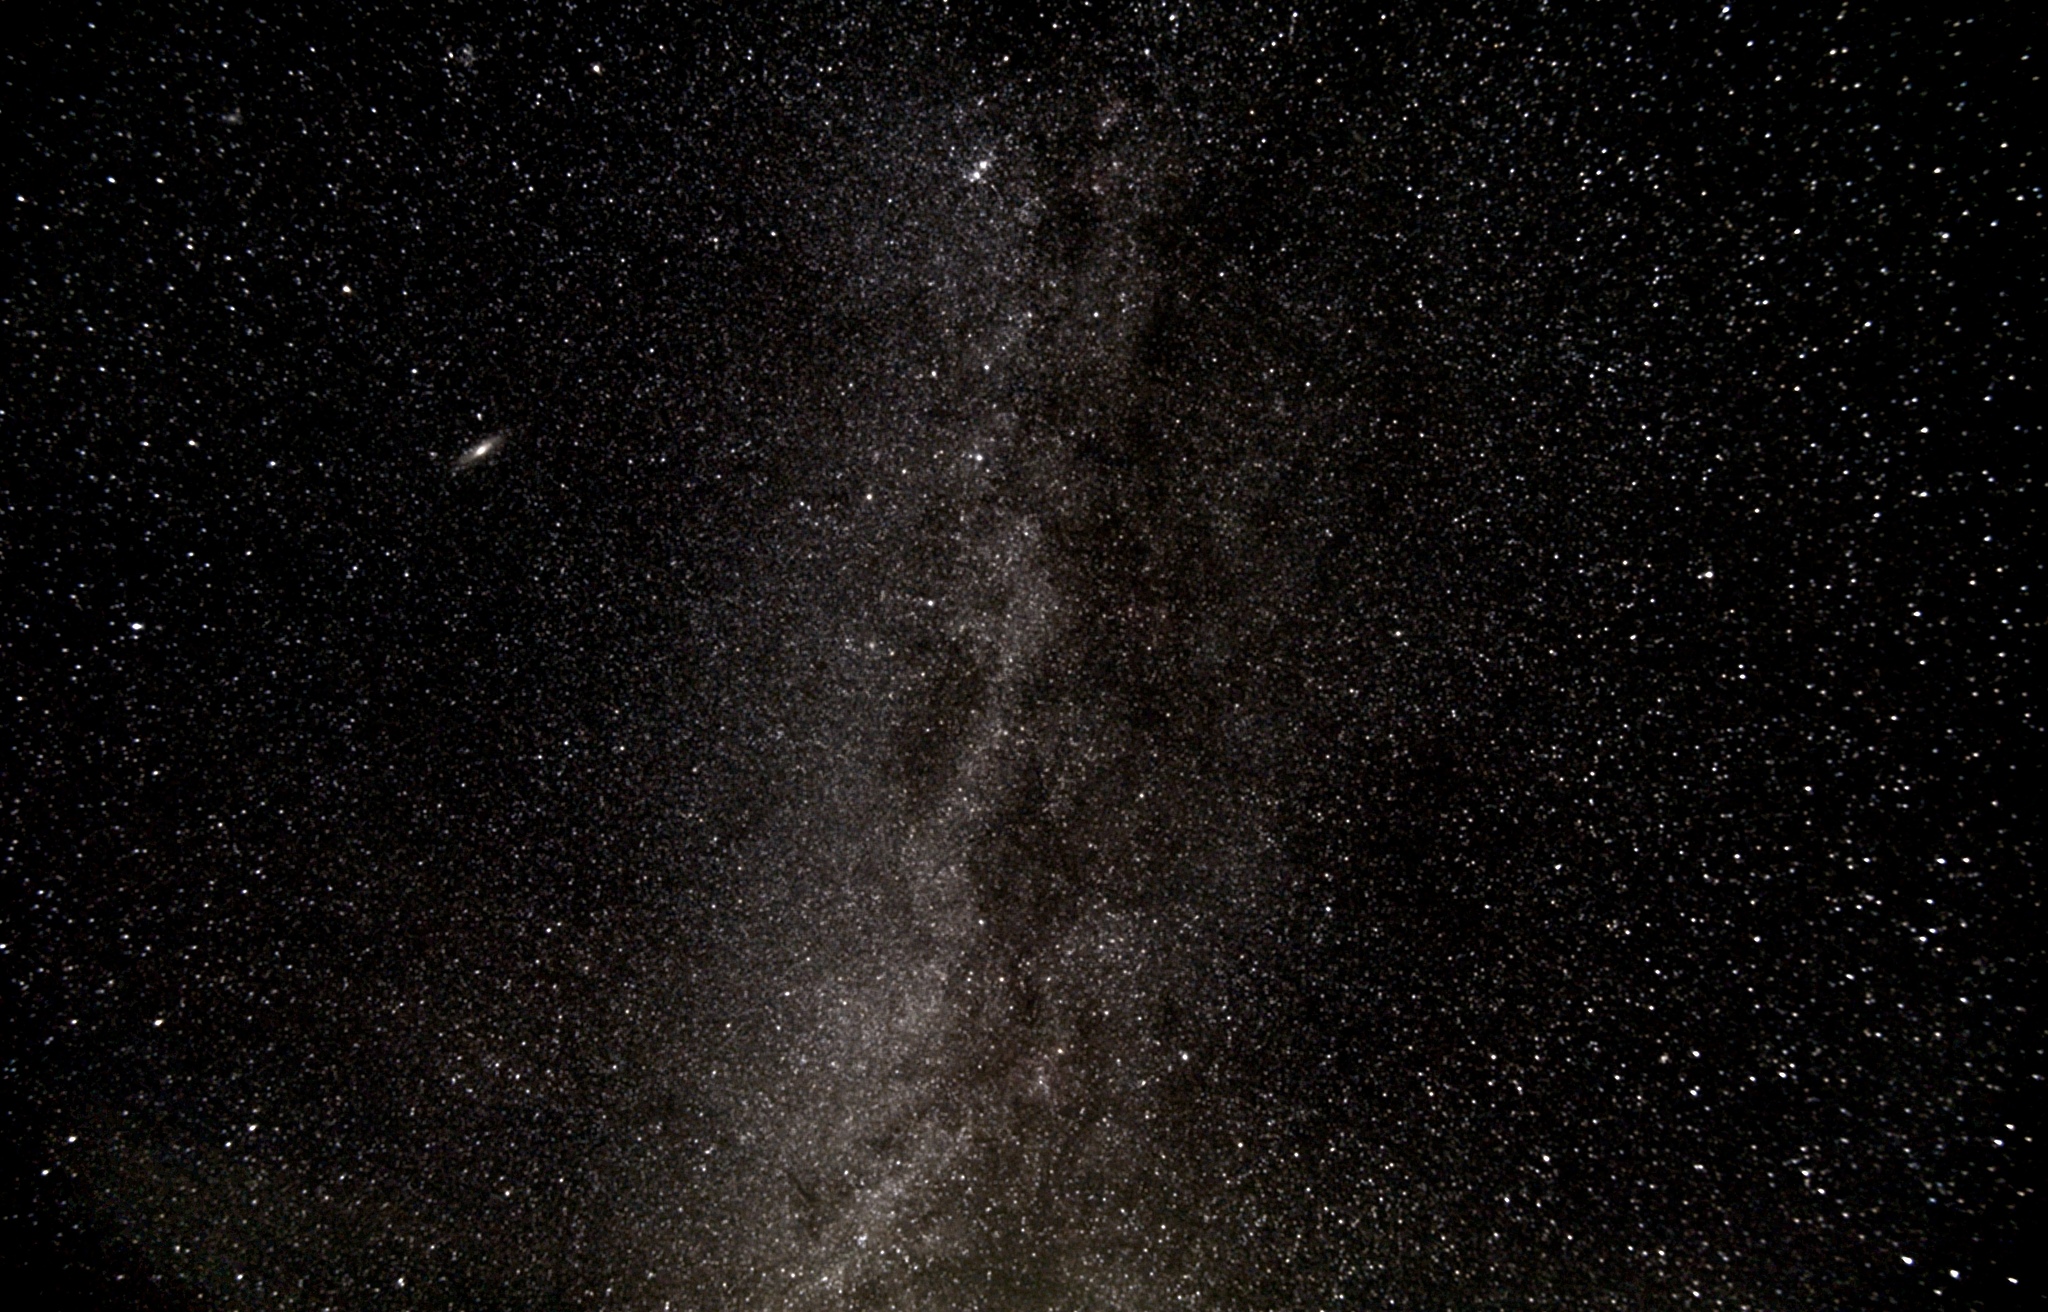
[{"x": 1124, "y": 657}]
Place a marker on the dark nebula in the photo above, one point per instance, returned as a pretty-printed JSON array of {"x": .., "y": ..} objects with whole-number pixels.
[{"x": 1147, "y": 657}]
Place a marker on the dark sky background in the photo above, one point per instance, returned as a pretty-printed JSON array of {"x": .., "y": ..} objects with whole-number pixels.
[{"x": 1145, "y": 657}]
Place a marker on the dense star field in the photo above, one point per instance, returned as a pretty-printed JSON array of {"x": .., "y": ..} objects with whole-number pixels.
[{"x": 1147, "y": 657}]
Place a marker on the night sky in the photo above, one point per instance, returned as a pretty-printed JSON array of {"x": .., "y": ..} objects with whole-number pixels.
[{"x": 1144, "y": 657}]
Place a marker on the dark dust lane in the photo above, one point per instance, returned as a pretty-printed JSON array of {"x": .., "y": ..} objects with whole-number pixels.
[{"x": 982, "y": 970}]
